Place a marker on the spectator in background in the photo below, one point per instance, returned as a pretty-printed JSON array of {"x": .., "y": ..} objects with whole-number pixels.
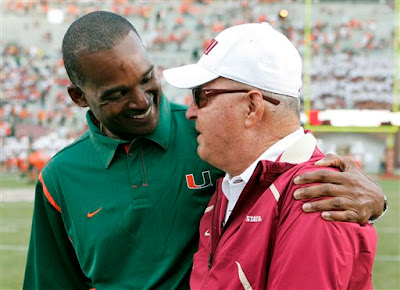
[{"x": 36, "y": 162}]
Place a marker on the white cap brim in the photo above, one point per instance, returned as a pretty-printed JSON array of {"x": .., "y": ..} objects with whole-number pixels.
[{"x": 188, "y": 76}]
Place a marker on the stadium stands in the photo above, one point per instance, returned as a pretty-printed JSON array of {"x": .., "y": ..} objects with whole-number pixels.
[{"x": 351, "y": 64}]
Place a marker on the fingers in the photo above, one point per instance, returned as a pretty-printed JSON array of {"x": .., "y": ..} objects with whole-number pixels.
[
  {"x": 333, "y": 160},
  {"x": 329, "y": 204},
  {"x": 318, "y": 190},
  {"x": 364, "y": 196},
  {"x": 341, "y": 216},
  {"x": 323, "y": 175},
  {"x": 332, "y": 210}
]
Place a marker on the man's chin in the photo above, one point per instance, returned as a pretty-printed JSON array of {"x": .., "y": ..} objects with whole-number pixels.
[{"x": 201, "y": 153}]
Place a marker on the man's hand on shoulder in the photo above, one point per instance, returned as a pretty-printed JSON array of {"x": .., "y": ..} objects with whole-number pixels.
[{"x": 355, "y": 196}]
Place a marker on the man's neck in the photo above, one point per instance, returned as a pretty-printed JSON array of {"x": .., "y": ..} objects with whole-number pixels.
[{"x": 255, "y": 147}]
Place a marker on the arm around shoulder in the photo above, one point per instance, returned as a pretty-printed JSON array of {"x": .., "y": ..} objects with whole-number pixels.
[{"x": 355, "y": 196}]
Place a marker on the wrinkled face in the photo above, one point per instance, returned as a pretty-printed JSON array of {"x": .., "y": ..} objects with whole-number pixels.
[
  {"x": 219, "y": 123},
  {"x": 122, "y": 89}
]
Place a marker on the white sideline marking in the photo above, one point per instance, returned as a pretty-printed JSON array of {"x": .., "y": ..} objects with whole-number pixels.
[
  {"x": 13, "y": 248},
  {"x": 382, "y": 258},
  {"x": 18, "y": 194},
  {"x": 8, "y": 229},
  {"x": 388, "y": 230}
]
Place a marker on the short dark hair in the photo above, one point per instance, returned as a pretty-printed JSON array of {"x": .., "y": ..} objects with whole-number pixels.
[{"x": 93, "y": 32}]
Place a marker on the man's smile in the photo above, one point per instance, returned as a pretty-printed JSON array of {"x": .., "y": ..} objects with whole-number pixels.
[{"x": 144, "y": 115}]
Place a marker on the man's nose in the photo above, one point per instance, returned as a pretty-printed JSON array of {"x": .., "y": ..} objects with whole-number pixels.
[
  {"x": 191, "y": 113},
  {"x": 139, "y": 100}
]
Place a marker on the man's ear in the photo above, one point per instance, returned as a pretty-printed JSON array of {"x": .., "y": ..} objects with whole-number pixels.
[
  {"x": 77, "y": 96},
  {"x": 256, "y": 108}
]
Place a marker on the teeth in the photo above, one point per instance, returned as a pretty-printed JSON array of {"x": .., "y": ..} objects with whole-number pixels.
[{"x": 141, "y": 116}]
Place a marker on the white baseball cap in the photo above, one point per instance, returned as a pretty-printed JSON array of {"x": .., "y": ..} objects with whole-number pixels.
[{"x": 254, "y": 54}]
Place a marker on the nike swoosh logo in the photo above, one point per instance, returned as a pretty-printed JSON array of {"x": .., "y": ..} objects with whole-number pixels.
[
  {"x": 90, "y": 215},
  {"x": 207, "y": 233}
]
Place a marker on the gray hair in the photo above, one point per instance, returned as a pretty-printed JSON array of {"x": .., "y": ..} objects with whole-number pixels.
[{"x": 287, "y": 102}]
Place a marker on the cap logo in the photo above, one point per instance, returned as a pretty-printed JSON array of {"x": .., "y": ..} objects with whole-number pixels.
[{"x": 212, "y": 44}]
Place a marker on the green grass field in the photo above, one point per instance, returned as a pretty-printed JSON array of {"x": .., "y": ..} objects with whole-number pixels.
[{"x": 15, "y": 222}]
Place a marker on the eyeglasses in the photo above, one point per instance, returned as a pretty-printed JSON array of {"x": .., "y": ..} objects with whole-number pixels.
[{"x": 201, "y": 96}]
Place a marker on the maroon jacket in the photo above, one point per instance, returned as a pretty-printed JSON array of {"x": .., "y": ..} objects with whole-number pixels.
[{"x": 269, "y": 243}]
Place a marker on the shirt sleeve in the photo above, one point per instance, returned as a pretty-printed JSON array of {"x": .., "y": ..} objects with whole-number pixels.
[
  {"x": 51, "y": 262},
  {"x": 311, "y": 253}
]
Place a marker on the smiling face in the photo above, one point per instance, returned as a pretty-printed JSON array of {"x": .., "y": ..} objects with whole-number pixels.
[{"x": 121, "y": 89}]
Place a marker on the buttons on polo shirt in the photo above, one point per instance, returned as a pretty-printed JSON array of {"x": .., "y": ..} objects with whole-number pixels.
[{"x": 137, "y": 185}]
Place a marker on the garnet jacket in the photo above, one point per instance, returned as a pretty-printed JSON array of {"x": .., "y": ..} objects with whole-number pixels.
[{"x": 268, "y": 242}]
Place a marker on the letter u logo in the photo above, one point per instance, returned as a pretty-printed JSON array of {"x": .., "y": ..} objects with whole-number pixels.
[{"x": 206, "y": 181}]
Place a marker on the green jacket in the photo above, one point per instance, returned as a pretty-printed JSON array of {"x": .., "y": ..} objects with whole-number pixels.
[{"x": 112, "y": 214}]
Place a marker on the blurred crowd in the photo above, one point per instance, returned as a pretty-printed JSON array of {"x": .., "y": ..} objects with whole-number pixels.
[
  {"x": 350, "y": 59},
  {"x": 37, "y": 116}
]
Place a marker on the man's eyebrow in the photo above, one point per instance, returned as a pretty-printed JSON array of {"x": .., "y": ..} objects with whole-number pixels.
[{"x": 151, "y": 68}]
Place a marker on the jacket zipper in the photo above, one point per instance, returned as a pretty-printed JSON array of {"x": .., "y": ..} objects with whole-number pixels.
[
  {"x": 214, "y": 230},
  {"x": 236, "y": 213}
]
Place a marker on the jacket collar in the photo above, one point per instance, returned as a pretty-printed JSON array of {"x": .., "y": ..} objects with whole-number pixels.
[
  {"x": 106, "y": 146},
  {"x": 265, "y": 174},
  {"x": 301, "y": 151}
]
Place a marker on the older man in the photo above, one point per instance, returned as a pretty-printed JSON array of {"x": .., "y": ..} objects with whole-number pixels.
[{"x": 253, "y": 233}]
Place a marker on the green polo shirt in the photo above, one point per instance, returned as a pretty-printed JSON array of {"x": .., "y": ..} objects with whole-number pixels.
[{"x": 112, "y": 214}]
